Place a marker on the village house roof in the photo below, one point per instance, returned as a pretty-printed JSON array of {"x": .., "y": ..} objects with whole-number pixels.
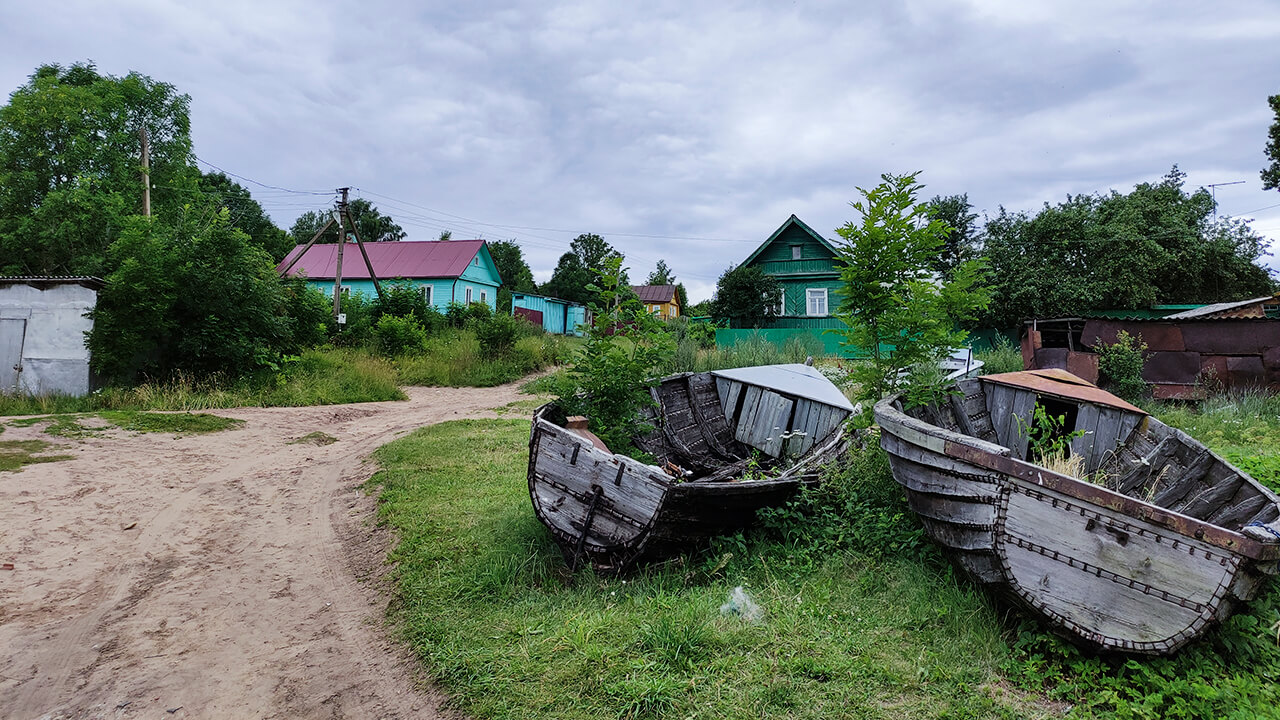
[
  {"x": 655, "y": 293},
  {"x": 44, "y": 281},
  {"x": 401, "y": 258}
]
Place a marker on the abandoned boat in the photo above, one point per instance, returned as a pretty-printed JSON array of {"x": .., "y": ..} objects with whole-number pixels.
[
  {"x": 725, "y": 444},
  {"x": 1164, "y": 542}
]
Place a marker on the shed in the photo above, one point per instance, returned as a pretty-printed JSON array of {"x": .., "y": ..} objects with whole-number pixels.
[
  {"x": 551, "y": 314},
  {"x": 43, "y": 321}
]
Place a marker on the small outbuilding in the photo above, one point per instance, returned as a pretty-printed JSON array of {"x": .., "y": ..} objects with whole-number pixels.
[
  {"x": 553, "y": 315},
  {"x": 43, "y": 321}
]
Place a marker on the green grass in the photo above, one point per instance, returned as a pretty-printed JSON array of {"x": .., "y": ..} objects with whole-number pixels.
[
  {"x": 14, "y": 454},
  {"x": 747, "y": 352},
  {"x": 179, "y": 423},
  {"x": 323, "y": 376},
  {"x": 1242, "y": 427},
  {"x": 484, "y": 599},
  {"x": 1002, "y": 357},
  {"x": 455, "y": 359},
  {"x": 315, "y": 438}
]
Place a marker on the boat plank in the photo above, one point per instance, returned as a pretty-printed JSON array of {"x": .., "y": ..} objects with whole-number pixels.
[
  {"x": 954, "y": 510},
  {"x": 1119, "y": 545},
  {"x": 1086, "y": 422},
  {"x": 745, "y": 419},
  {"x": 1021, "y": 415},
  {"x": 999, "y": 405},
  {"x": 1234, "y": 516},
  {"x": 1105, "y": 611}
]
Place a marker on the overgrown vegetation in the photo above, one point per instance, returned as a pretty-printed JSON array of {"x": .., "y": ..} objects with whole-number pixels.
[
  {"x": 1120, "y": 366},
  {"x": 612, "y": 372},
  {"x": 14, "y": 454},
  {"x": 1001, "y": 356}
]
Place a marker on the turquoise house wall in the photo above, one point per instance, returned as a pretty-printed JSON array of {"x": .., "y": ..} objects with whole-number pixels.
[{"x": 481, "y": 276}]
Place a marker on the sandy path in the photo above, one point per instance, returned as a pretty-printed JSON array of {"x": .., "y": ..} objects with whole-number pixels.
[{"x": 246, "y": 589}]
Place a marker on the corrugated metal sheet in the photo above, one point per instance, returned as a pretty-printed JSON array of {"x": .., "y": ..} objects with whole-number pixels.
[
  {"x": 1063, "y": 384},
  {"x": 794, "y": 379},
  {"x": 406, "y": 259},
  {"x": 655, "y": 293},
  {"x": 1209, "y": 311}
]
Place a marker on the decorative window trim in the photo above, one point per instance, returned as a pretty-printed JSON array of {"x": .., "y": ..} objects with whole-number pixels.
[
  {"x": 428, "y": 295},
  {"x": 467, "y": 295},
  {"x": 811, "y": 298}
]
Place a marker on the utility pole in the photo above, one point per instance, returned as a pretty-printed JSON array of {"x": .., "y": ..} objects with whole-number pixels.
[
  {"x": 338, "y": 217},
  {"x": 146, "y": 171}
]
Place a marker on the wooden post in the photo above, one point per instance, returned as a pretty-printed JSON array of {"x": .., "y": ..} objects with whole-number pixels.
[
  {"x": 337, "y": 275},
  {"x": 360, "y": 243},
  {"x": 305, "y": 248},
  {"x": 146, "y": 171}
]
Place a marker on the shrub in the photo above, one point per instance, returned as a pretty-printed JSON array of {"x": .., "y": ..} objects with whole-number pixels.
[
  {"x": 497, "y": 333},
  {"x": 1003, "y": 357},
  {"x": 396, "y": 335},
  {"x": 1120, "y": 366}
]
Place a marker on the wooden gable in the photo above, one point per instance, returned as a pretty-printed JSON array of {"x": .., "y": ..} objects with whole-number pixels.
[{"x": 795, "y": 250}]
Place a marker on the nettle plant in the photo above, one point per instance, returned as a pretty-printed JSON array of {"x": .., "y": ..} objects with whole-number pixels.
[{"x": 612, "y": 373}]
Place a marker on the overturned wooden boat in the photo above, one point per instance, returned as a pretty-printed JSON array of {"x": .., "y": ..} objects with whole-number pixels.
[
  {"x": 725, "y": 444},
  {"x": 1166, "y": 541}
]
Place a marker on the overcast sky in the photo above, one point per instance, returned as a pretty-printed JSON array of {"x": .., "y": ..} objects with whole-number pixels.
[{"x": 689, "y": 131}]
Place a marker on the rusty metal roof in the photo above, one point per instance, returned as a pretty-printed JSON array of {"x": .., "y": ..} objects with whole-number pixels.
[
  {"x": 1060, "y": 383},
  {"x": 1209, "y": 311}
]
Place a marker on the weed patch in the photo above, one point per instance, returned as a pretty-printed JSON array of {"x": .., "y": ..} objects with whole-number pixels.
[
  {"x": 180, "y": 423},
  {"x": 14, "y": 454},
  {"x": 315, "y": 438}
]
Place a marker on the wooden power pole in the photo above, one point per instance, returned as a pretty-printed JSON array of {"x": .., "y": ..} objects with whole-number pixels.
[{"x": 146, "y": 171}]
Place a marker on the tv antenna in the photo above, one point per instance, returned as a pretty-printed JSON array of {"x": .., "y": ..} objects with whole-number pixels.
[{"x": 1214, "y": 194}]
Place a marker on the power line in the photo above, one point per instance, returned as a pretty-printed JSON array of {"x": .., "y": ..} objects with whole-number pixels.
[{"x": 255, "y": 182}]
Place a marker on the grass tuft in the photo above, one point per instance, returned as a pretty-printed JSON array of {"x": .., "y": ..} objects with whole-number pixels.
[{"x": 14, "y": 454}]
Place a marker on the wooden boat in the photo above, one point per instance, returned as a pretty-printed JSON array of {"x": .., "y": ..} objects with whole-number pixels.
[
  {"x": 1168, "y": 543},
  {"x": 726, "y": 443}
]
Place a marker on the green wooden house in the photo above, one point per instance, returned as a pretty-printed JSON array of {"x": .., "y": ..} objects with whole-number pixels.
[{"x": 804, "y": 263}]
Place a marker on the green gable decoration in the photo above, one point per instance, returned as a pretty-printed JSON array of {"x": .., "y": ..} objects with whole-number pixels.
[{"x": 804, "y": 263}]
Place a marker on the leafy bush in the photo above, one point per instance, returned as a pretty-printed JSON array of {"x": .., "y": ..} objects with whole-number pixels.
[
  {"x": 357, "y": 331},
  {"x": 497, "y": 333},
  {"x": 1120, "y": 366},
  {"x": 1003, "y": 357},
  {"x": 395, "y": 335}
]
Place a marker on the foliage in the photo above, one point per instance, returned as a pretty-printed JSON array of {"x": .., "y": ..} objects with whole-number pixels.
[
  {"x": 14, "y": 454},
  {"x": 307, "y": 311},
  {"x": 895, "y": 312},
  {"x": 1157, "y": 244},
  {"x": 246, "y": 214},
  {"x": 370, "y": 224},
  {"x": 484, "y": 599},
  {"x": 746, "y": 352},
  {"x": 613, "y": 371},
  {"x": 516, "y": 276},
  {"x": 69, "y": 165},
  {"x": 455, "y": 358},
  {"x": 404, "y": 299},
  {"x": 499, "y": 333},
  {"x": 181, "y": 423},
  {"x": 745, "y": 297},
  {"x": 194, "y": 296},
  {"x": 964, "y": 240},
  {"x": 1120, "y": 366},
  {"x": 1271, "y": 173},
  {"x": 575, "y": 274},
  {"x": 1002, "y": 357},
  {"x": 397, "y": 335}
]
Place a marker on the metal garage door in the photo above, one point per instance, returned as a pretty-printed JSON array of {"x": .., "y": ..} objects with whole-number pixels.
[{"x": 12, "y": 332}]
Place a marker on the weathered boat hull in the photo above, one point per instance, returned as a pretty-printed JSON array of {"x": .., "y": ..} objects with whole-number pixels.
[
  {"x": 612, "y": 511},
  {"x": 1111, "y": 570}
]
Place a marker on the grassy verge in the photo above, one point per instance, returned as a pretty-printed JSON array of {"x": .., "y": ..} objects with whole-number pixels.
[
  {"x": 323, "y": 376},
  {"x": 845, "y": 632},
  {"x": 455, "y": 359}
]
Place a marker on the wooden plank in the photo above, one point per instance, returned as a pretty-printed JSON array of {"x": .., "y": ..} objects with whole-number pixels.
[
  {"x": 1232, "y": 517},
  {"x": 723, "y": 388},
  {"x": 1086, "y": 421},
  {"x": 1024, "y": 405},
  {"x": 1108, "y": 430},
  {"x": 954, "y": 510},
  {"x": 744, "y": 421},
  {"x": 731, "y": 402},
  {"x": 1169, "y": 563},
  {"x": 961, "y": 414},
  {"x": 999, "y": 405}
]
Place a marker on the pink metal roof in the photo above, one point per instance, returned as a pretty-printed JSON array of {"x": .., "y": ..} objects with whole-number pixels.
[{"x": 406, "y": 259}]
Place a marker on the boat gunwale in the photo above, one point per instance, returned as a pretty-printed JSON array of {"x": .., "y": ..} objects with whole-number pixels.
[
  {"x": 791, "y": 475},
  {"x": 997, "y": 457}
]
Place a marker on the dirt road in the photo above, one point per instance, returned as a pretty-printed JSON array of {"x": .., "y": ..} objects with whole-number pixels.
[{"x": 230, "y": 575}]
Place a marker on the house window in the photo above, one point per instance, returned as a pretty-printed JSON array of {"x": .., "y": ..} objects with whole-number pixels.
[
  {"x": 484, "y": 298},
  {"x": 426, "y": 295},
  {"x": 468, "y": 296},
  {"x": 795, "y": 252},
  {"x": 782, "y": 304},
  {"x": 817, "y": 299}
]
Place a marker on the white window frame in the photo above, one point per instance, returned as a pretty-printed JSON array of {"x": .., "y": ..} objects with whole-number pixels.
[
  {"x": 782, "y": 304},
  {"x": 428, "y": 295},
  {"x": 811, "y": 297},
  {"x": 484, "y": 297},
  {"x": 467, "y": 295}
]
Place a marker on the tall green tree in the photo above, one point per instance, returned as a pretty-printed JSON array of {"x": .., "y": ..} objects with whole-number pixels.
[
  {"x": 514, "y": 271},
  {"x": 246, "y": 214},
  {"x": 1271, "y": 173},
  {"x": 745, "y": 297},
  {"x": 372, "y": 225},
  {"x": 70, "y": 167},
  {"x": 574, "y": 276},
  {"x": 1156, "y": 244},
  {"x": 963, "y": 240},
  {"x": 894, "y": 310}
]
